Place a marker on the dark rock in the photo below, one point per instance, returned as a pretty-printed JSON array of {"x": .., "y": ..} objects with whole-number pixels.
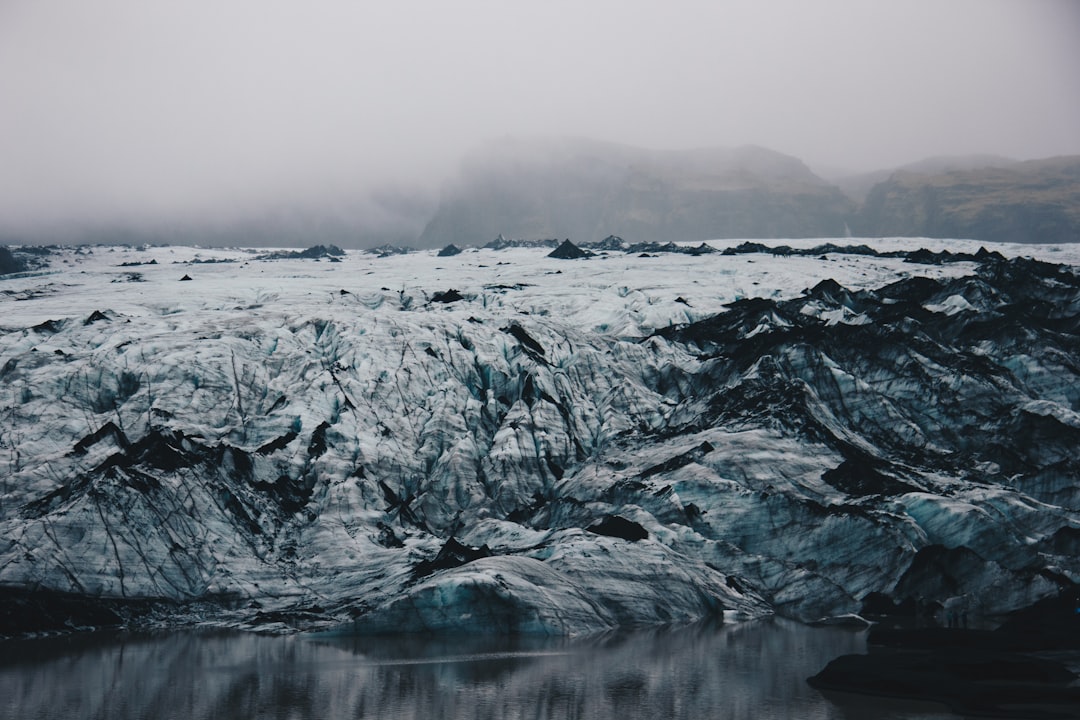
[
  {"x": 48, "y": 326},
  {"x": 503, "y": 287},
  {"x": 619, "y": 527},
  {"x": 401, "y": 505},
  {"x": 315, "y": 252},
  {"x": 499, "y": 243},
  {"x": 185, "y": 278},
  {"x": 524, "y": 338},
  {"x": 320, "y": 251},
  {"x": 109, "y": 429},
  {"x": 156, "y": 450},
  {"x": 317, "y": 446},
  {"x": 860, "y": 476},
  {"x": 387, "y": 537},
  {"x": 921, "y": 256},
  {"x": 452, "y": 554},
  {"x": 278, "y": 443},
  {"x": 288, "y": 494},
  {"x": 449, "y": 251},
  {"x": 746, "y": 248},
  {"x": 389, "y": 250},
  {"x": 679, "y": 461},
  {"x": 928, "y": 257},
  {"x": 569, "y": 251},
  {"x": 449, "y": 296},
  {"x": 94, "y": 317},
  {"x": 612, "y": 243},
  {"x": 503, "y": 243}
]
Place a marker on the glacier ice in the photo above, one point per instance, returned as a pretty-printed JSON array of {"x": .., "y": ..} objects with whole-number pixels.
[{"x": 287, "y": 440}]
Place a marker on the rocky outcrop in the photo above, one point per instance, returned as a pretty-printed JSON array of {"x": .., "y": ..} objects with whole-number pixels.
[{"x": 569, "y": 251}]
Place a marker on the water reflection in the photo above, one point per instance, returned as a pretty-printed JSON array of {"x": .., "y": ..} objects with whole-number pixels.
[{"x": 754, "y": 671}]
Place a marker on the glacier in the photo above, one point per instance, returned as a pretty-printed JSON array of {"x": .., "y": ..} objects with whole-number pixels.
[{"x": 500, "y": 441}]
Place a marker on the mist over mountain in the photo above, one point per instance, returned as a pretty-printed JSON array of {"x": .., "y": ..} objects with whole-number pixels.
[
  {"x": 587, "y": 190},
  {"x": 1033, "y": 201},
  {"x": 858, "y": 186},
  {"x": 534, "y": 188},
  {"x": 161, "y": 124}
]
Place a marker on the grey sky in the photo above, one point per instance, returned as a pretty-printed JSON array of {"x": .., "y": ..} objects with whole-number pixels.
[{"x": 126, "y": 110}]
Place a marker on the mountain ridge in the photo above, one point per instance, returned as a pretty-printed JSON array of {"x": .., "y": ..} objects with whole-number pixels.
[{"x": 586, "y": 190}]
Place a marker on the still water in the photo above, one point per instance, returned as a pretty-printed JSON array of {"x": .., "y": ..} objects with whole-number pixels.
[{"x": 755, "y": 671}]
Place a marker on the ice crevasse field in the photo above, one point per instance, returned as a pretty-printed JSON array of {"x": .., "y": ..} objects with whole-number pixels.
[{"x": 558, "y": 447}]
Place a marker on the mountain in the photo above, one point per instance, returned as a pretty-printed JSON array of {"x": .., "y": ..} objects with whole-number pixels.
[
  {"x": 858, "y": 186},
  {"x": 553, "y": 446},
  {"x": 1033, "y": 201},
  {"x": 586, "y": 190}
]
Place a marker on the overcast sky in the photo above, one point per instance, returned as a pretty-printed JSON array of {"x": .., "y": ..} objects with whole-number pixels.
[{"x": 130, "y": 110}]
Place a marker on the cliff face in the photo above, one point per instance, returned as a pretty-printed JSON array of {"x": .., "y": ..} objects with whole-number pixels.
[
  {"x": 587, "y": 190},
  {"x": 1035, "y": 201}
]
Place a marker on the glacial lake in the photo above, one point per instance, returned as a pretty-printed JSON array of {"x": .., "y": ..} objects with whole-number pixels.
[{"x": 755, "y": 670}]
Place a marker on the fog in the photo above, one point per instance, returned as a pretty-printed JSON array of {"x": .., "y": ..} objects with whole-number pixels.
[{"x": 202, "y": 117}]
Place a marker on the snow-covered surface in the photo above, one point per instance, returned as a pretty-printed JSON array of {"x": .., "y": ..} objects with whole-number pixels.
[{"x": 300, "y": 434}]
